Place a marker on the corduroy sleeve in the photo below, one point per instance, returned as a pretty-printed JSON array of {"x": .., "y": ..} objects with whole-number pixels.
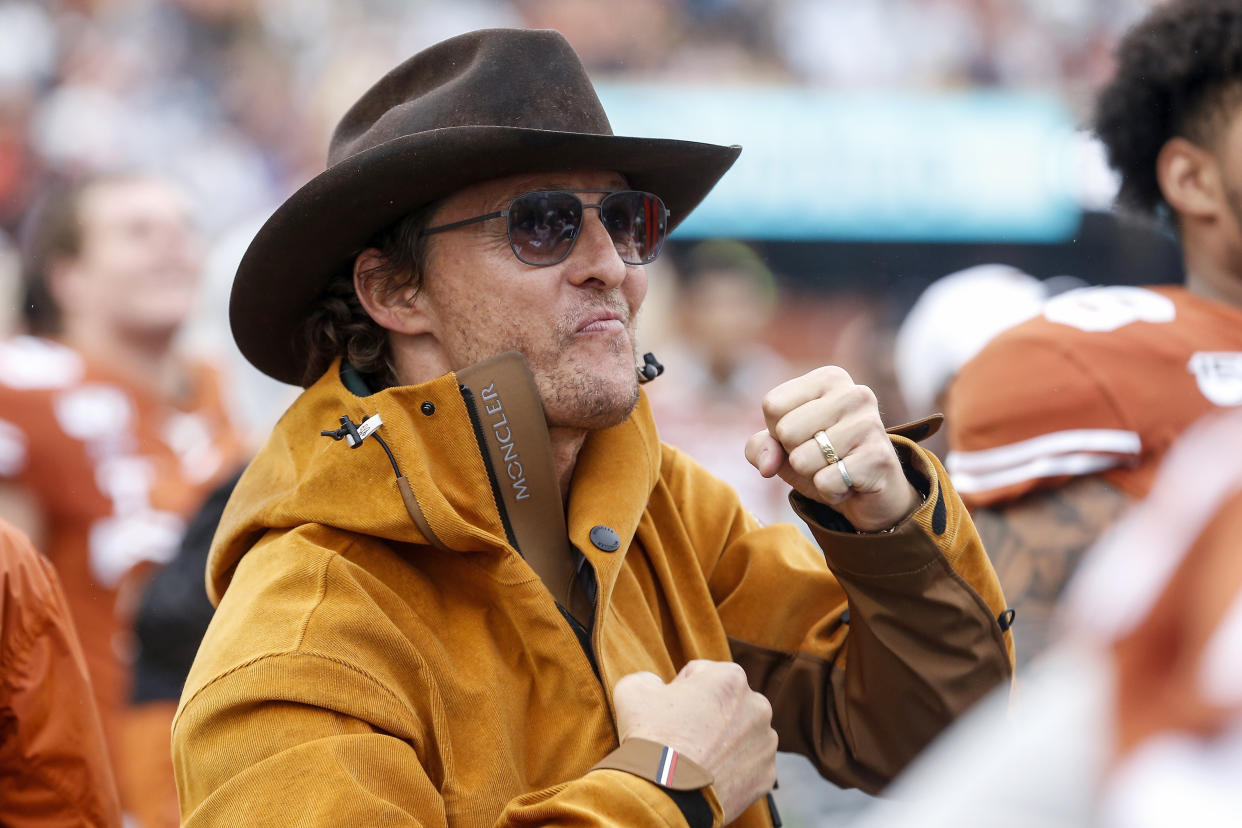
[
  {"x": 866, "y": 659},
  {"x": 246, "y": 753}
]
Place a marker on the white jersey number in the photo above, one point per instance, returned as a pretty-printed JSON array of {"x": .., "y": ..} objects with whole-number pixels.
[{"x": 1108, "y": 308}]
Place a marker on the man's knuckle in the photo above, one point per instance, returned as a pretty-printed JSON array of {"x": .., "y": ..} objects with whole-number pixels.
[
  {"x": 860, "y": 396},
  {"x": 831, "y": 374},
  {"x": 783, "y": 432},
  {"x": 771, "y": 404}
]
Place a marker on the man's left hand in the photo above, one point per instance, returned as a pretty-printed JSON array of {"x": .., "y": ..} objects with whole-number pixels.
[{"x": 827, "y": 400}]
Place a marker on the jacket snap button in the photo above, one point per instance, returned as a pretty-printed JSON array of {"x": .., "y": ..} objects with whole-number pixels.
[{"x": 605, "y": 538}]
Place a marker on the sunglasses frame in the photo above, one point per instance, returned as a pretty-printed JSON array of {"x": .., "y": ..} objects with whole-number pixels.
[{"x": 574, "y": 241}]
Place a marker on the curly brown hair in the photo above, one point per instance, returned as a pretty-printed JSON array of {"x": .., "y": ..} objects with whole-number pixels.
[
  {"x": 340, "y": 327},
  {"x": 1179, "y": 73}
]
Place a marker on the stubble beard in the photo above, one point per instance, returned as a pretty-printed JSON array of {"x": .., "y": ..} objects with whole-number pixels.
[
  {"x": 588, "y": 396},
  {"x": 576, "y": 393}
]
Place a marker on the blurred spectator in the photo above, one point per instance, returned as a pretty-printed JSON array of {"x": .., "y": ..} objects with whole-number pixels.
[
  {"x": 108, "y": 438},
  {"x": 718, "y": 369},
  {"x": 174, "y": 611},
  {"x": 233, "y": 97},
  {"x": 1060, "y": 421},
  {"x": 172, "y": 617},
  {"x": 1134, "y": 718},
  {"x": 1056, "y": 47},
  {"x": 951, "y": 322},
  {"x": 54, "y": 768}
]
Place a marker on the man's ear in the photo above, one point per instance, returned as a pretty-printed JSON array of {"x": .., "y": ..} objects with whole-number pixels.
[
  {"x": 1189, "y": 179},
  {"x": 397, "y": 310}
]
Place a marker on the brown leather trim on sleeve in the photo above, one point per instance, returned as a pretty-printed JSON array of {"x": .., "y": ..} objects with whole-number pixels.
[
  {"x": 923, "y": 645},
  {"x": 922, "y": 648},
  {"x": 920, "y": 429},
  {"x": 647, "y": 759},
  {"x": 802, "y": 689}
]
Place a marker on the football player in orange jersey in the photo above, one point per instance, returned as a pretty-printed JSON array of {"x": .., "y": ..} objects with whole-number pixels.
[
  {"x": 108, "y": 436},
  {"x": 1133, "y": 718},
  {"x": 1061, "y": 420}
]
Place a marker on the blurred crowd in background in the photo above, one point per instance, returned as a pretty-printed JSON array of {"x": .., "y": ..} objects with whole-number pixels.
[
  {"x": 236, "y": 97},
  {"x": 234, "y": 100}
]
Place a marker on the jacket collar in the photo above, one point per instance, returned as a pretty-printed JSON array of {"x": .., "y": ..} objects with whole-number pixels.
[{"x": 301, "y": 478}]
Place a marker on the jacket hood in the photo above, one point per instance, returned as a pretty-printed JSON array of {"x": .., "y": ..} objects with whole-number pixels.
[{"x": 436, "y": 439}]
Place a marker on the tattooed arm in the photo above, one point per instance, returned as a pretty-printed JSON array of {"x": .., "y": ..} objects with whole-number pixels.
[{"x": 1035, "y": 544}]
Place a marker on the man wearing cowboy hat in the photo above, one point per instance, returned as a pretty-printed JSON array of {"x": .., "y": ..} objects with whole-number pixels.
[{"x": 464, "y": 583}]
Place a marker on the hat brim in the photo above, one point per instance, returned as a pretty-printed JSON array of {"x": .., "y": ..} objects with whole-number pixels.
[{"x": 326, "y": 223}]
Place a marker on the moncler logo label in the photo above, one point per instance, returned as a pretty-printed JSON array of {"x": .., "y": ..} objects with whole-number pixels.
[{"x": 510, "y": 460}]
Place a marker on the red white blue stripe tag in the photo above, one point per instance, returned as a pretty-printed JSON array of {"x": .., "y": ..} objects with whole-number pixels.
[{"x": 668, "y": 763}]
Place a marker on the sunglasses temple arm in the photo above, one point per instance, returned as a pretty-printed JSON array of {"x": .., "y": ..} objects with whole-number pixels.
[{"x": 464, "y": 222}]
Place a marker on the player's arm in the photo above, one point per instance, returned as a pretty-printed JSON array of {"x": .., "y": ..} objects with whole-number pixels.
[{"x": 1036, "y": 542}]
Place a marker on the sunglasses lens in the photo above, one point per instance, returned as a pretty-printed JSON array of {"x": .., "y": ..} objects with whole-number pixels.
[
  {"x": 543, "y": 226},
  {"x": 637, "y": 223}
]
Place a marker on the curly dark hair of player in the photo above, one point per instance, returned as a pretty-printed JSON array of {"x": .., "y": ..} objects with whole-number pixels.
[{"x": 1179, "y": 73}]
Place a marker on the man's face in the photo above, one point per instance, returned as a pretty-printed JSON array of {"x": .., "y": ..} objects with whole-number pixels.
[
  {"x": 574, "y": 321},
  {"x": 724, "y": 314},
  {"x": 137, "y": 270}
]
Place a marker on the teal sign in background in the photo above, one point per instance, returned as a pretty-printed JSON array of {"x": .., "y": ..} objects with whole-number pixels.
[{"x": 817, "y": 165}]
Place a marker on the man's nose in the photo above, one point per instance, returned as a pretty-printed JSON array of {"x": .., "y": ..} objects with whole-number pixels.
[{"x": 595, "y": 255}]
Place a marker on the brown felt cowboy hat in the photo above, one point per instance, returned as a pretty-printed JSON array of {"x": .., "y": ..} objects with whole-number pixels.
[{"x": 476, "y": 107}]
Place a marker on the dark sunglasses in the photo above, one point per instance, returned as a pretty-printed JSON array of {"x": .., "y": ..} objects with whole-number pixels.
[{"x": 544, "y": 225}]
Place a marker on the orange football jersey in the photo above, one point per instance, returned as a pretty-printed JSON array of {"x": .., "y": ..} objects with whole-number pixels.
[
  {"x": 1100, "y": 383},
  {"x": 1162, "y": 592},
  {"x": 115, "y": 470}
]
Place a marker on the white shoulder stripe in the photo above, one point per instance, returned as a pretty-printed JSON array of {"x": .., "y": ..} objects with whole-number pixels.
[
  {"x": 1063, "y": 464},
  {"x": 1023, "y": 452}
]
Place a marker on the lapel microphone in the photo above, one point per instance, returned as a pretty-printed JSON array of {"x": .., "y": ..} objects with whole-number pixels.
[{"x": 650, "y": 369}]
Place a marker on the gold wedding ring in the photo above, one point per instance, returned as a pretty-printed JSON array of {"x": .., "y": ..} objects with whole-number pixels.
[{"x": 825, "y": 447}]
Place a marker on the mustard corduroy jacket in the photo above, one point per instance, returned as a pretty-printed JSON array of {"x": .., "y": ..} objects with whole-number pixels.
[{"x": 359, "y": 672}]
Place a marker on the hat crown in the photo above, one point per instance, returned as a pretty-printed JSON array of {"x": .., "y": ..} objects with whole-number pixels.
[{"x": 529, "y": 79}]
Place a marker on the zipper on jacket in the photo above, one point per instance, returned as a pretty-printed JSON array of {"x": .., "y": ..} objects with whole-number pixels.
[
  {"x": 584, "y": 639},
  {"x": 580, "y": 632},
  {"x": 468, "y": 397}
]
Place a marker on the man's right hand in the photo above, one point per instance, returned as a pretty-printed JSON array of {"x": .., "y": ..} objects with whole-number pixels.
[{"x": 710, "y": 714}]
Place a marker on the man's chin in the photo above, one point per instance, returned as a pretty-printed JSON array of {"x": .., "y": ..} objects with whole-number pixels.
[{"x": 589, "y": 403}]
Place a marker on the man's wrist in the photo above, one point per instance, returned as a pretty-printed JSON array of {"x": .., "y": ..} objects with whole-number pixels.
[
  {"x": 682, "y": 779},
  {"x": 656, "y": 763}
]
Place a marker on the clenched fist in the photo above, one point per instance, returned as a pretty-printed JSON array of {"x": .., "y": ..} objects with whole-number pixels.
[
  {"x": 867, "y": 486},
  {"x": 710, "y": 714}
]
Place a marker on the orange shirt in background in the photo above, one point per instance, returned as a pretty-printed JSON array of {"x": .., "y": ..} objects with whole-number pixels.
[
  {"x": 54, "y": 768},
  {"x": 1101, "y": 382},
  {"x": 116, "y": 471}
]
